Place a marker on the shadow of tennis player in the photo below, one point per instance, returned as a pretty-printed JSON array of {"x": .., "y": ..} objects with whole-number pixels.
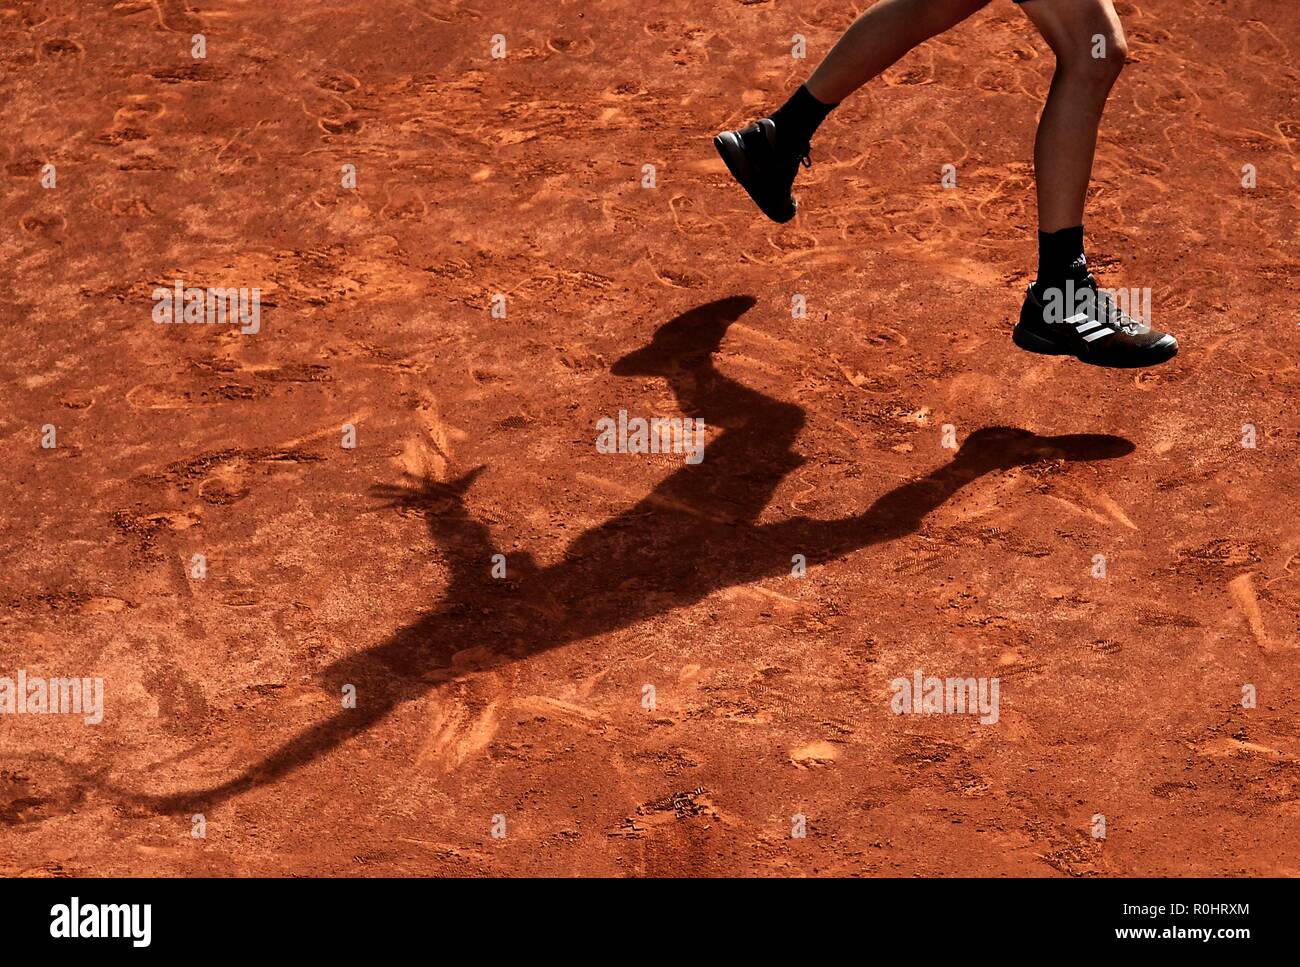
[{"x": 691, "y": 535}]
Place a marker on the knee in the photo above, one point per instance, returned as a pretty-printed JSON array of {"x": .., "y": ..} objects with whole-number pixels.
[
  {"x": 1096, "y": 59},
  {"x": 1109, "y": 51}
]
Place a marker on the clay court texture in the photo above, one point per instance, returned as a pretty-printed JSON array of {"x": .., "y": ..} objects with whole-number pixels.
[{"x": 683, "y": 665}]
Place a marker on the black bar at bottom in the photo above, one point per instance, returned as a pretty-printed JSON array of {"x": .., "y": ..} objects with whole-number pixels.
[{"x": 226, "y": 916}]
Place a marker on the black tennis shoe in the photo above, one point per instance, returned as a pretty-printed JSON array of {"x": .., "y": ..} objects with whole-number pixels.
[
  {"x": 1084, "y": 321},
  {"x": 764, "y": 170}
]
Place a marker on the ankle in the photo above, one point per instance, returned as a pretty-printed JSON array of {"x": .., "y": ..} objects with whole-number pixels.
[
  {"x": 1060, "y": 257},
  {"x": 797, "y": 120}
]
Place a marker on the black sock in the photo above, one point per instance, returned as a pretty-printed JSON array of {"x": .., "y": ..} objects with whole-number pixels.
[
  {"x": 1060, "y": 256},
  {"x": 797, "y": 119}
]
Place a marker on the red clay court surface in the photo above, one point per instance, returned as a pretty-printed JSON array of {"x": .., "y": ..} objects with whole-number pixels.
[{"x": 522, "y": 697}]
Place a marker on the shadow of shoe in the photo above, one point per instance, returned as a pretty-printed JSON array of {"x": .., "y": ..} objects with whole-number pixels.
[
  {"x": 1000, "y": 447},
  {"x": 688, "y": 340}
]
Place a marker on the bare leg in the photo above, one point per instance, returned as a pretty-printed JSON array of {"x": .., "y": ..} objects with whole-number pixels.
[
  {"x": 1088, "y": 41},
  {"x": 880, "y": 37}
]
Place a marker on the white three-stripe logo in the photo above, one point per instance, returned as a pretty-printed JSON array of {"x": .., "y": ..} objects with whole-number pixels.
[{"x": 1083, "y": 324}]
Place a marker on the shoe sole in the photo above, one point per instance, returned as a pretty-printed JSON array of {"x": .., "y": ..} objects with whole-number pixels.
[
  {"x": 732, "y": 153},
  {"x": 1161, "y": 352}
]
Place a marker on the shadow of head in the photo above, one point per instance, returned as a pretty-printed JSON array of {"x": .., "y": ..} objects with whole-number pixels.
[
  {"x": 997, "y": 447},
  {"x": 427, "y": 494},
  {"x": 686, "y": 341}
]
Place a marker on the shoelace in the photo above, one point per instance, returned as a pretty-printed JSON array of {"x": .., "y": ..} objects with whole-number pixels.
[
  {"x": 1109, "y": 311},
  {"x": 1106, "y": 310}
]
